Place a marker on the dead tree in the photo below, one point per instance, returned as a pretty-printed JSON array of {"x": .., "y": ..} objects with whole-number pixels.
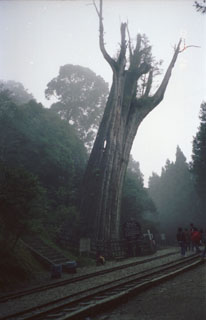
[{"x": 126, "y": 107}]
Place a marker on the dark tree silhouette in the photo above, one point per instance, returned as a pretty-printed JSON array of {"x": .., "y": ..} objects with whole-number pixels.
[
  {"x": 81, "y": 98},
  {"x": 174, "y": 195},
  {"x": 129, "y": 102},
  {"x": 199, "y": 158},
  {"x": 200, "y": 7}
]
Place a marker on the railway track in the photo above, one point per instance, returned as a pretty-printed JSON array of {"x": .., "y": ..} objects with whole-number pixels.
[
  {"x": 90, "y": 301},
  {"x": 76, "y": 279}
]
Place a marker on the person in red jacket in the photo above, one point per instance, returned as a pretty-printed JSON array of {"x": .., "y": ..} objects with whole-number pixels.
[
  {"x": 192, "y": 227},
  {"x": 204, "y": 243},
  {"x": 196, "y": 238}
]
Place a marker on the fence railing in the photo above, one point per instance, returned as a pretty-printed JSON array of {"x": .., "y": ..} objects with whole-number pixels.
[{"x": 109, "y": 249}]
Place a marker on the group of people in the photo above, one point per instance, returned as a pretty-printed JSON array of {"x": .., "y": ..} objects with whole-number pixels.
[{"x": 191, "y": 239}]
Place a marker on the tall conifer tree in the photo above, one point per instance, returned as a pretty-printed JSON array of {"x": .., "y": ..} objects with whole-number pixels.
[{"x": 199, "y": 157}]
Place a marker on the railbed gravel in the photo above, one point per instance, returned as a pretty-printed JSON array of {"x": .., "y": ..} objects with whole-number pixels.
[{"x": 35, "y": 299}]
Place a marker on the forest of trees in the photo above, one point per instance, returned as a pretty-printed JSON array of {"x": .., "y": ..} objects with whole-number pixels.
[
  {"x": 175, "y": 196},
  {"x": 198, "y": 165},
  {"x": 37, "y": 145},
  {"x": 42, "y": 161}
]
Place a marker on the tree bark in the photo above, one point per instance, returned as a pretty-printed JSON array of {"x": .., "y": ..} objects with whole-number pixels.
[{"x": 105, "y": 172}]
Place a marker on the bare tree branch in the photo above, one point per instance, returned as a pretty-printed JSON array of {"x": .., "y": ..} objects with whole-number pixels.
[
  {"x": 122, "y": 55},
  {"x": 158, "y": 96},
  {"x": 107, "y": 57},
  {"x": 149, "y": 84},
  {"x": 130, "y": 46},
  {"x": 138, "y": 44},
  {"x": 94, "y": 3},
  {"x": 186, "y": 47},
  {"x": 137, "y": 59}
]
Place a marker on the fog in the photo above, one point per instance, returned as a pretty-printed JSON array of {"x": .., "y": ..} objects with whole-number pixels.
[{"x": 37, "y": 37}]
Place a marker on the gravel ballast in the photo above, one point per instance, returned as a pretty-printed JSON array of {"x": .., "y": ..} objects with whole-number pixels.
[{"x": 35, "y": 299}]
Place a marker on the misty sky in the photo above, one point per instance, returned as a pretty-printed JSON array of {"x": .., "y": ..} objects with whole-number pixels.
[{"x": 37, "y": 37}]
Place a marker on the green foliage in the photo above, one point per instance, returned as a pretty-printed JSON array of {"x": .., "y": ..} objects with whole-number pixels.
[
  {"x": 18, "y": 94},
  {"x": 81, "y": 98},
  {"x": 21, "y": 202},
  {"x": 45, "y": 145},
  {"x": 19, "y": 268},
  {"x": 63, "y": 220},
  {"x": 198, "y": 165},
  {"x": 174, "y": 196},
  {"x": 136, "y": 203},
  {"x": 37, "y": 140}
]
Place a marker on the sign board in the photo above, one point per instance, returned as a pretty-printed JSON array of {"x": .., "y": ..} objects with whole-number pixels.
[
  {"x": 132, "y": 230},
  {"x": 85, "y": 245},
  {"x": 163, "y": 237}
]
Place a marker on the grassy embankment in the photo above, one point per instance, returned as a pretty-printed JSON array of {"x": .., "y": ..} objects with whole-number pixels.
[{"x": 20, "y": 269}]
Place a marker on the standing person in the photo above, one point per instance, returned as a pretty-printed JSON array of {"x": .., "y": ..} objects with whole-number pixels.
[
  {"x": 196, "y": 238},
  {"x": 180, "y": 236},
  {"x": 192, "y": 228},
  {"x": 204, "y": 243},
  {"x": 187, "y": 240}
]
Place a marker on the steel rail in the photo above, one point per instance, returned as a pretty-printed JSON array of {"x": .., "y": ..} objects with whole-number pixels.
[
  {"x": 77, "y": 305},
  {"x": 96, "y": 307},
  {"x": 60, "y": 283},
  {"x": 118, "y": 294}
]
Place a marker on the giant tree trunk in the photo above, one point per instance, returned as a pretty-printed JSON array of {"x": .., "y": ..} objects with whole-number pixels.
[{"x": 104, "y": 176}]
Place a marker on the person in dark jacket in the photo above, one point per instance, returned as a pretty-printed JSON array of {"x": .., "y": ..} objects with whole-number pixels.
[
  {"x": 187, "y": 240},
  {"x": 180, "y": 236}
]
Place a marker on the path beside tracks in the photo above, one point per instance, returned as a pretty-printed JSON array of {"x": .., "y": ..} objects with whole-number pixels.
[{"x": 180, "y": 298}]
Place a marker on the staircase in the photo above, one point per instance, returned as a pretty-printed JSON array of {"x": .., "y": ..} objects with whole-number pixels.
[{"x": 44, "y": 253}]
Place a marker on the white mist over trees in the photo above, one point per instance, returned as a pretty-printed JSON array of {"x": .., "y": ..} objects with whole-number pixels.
[
  {"x": 175, "y": 197},
  {"x": 16, "y": 90}
]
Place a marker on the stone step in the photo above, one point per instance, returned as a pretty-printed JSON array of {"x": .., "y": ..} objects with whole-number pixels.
[{"x": 46, "y": 253}]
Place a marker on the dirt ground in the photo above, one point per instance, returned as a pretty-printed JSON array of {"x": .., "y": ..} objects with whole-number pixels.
[{"x": 182, "y": 298}]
